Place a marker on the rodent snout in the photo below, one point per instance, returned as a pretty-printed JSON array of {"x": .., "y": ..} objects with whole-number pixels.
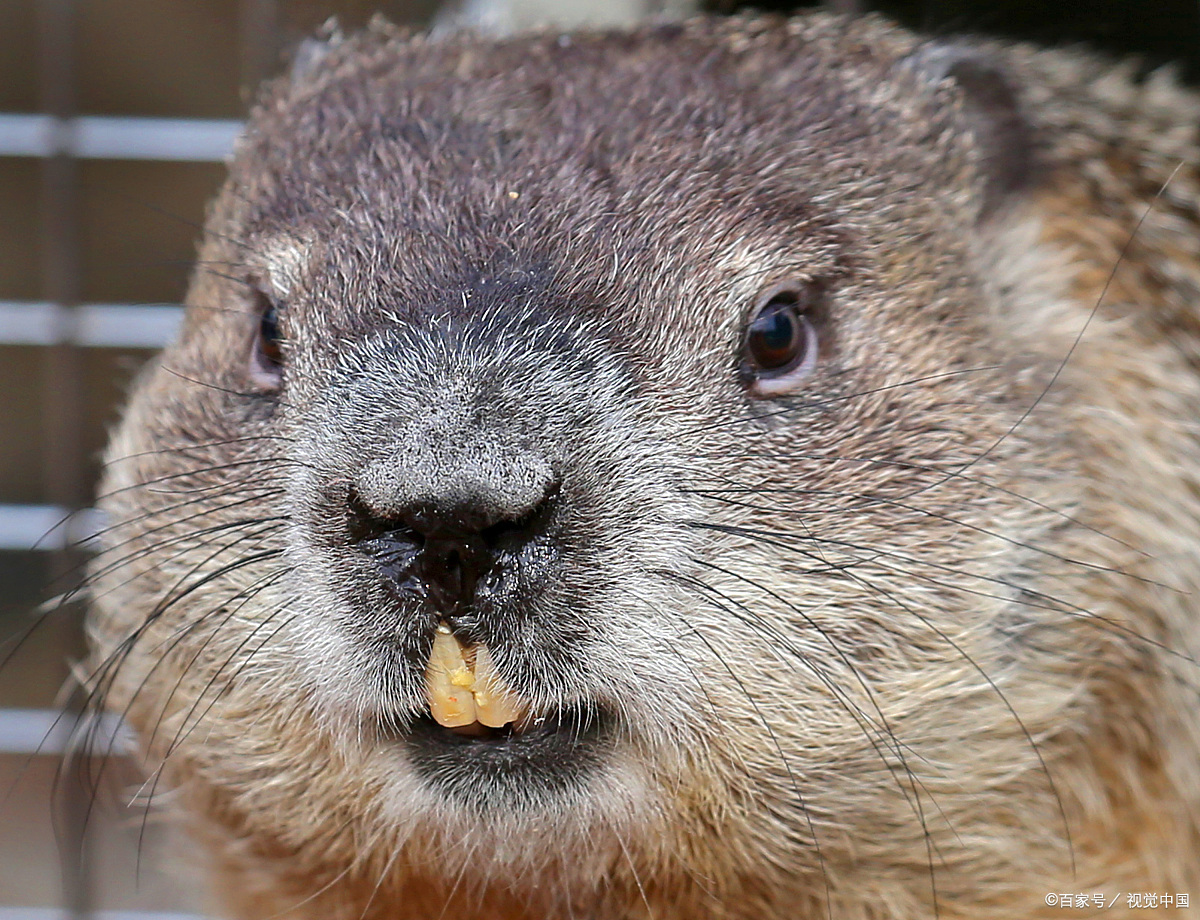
[
  {"x": 444, "y": 546},
  {"x": 465, "y": 491}
]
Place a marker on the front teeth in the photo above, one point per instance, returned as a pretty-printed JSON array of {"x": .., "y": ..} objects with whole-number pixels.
[{"x": 464, "y": 687}]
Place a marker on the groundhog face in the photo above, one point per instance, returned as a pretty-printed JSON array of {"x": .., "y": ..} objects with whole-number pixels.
[{"x": 611, "y": 457}]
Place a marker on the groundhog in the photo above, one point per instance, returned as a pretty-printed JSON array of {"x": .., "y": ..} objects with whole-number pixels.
[{"x": 742, "y": 468}]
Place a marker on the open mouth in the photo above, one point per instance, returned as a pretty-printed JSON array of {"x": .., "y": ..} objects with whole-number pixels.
[
  {"x": 503, "y": 768},
  {"x": 566, "y": 731},
  {"x": 480, "y": 737}
]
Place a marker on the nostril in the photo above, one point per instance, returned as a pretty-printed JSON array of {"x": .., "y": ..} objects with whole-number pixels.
[
  {"x": 392, "y": 544},
  {"x": 442, "y": 548},
  {"x": 394, "y": 554},
  {"x": 505, "y": 535},
  {"x": 511, "y": 534},
  {"x": 367, "y": 527}
]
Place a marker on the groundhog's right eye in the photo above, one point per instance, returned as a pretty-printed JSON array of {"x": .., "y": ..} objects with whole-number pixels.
[
  {"x": 781, "y": 340},
  {"x": 266, "y": 363}
]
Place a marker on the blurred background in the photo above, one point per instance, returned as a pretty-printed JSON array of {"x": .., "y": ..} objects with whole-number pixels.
[{"x": 115, "y": 116}]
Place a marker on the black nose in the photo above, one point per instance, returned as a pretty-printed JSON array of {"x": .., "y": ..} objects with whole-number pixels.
[{"x": 444, "y": 550}]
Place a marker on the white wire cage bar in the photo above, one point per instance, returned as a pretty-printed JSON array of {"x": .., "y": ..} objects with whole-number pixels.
[
  {"x": 46, "y": 527},
  {"x": 37, "y": 323},
  {"x": 94, "y": 325},
  {"x": 109, "y": 137},
  {"x": 49, "y": 731},
  {"x": 55, "y": 913}
]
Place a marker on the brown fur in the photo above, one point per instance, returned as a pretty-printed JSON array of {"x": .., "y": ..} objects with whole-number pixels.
[{"x": 921, "y": 635}]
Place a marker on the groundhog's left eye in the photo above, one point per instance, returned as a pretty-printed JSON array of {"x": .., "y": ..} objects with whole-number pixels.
[
  {"x": 266, "y": 357},
  {"x": 781, "y": 340}
]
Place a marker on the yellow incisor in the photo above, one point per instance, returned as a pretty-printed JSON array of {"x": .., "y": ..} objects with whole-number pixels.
[{"x": 464, "y": 687}]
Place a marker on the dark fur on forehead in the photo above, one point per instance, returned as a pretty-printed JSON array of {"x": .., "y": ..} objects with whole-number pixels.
[{"x": 463, "y": 139}]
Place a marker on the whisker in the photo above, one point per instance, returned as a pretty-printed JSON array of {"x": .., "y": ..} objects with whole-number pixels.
[{"x": 800, "y": 798}]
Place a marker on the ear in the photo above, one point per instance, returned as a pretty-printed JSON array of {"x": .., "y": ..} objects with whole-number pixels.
[
  {"x": 991, "y": 113},
  {"x": 312, "y": 51}
]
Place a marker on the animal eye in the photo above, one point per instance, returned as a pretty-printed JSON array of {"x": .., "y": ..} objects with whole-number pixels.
[
  {"x": 781, "y": 340},
  {"x": 266, "y": 363}
]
